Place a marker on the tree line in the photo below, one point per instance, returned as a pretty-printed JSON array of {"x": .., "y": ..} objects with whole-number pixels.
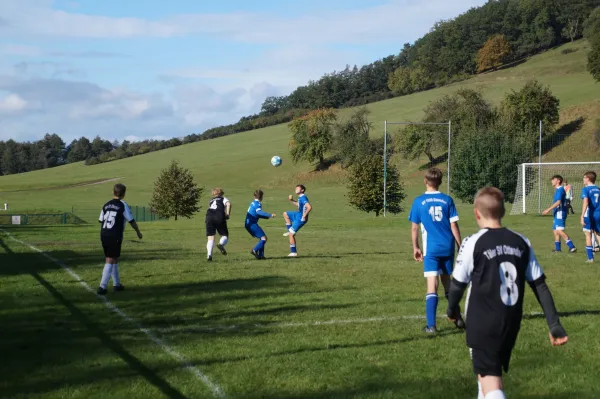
[{"x": 478, "y": 40}]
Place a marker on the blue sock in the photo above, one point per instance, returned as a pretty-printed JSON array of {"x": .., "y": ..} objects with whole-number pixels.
[
  {"x": 431, "y": 302},
  {"x": 293, "y": 249},
  {"x": 288, "y": 226},
  {"x": 261, "y": 252},
  {"x": 259, "y": 246},
  {"x": 590, "y": 252},
  {"x": 570, "y": 244},
  {"x": 557, "y": 245}
]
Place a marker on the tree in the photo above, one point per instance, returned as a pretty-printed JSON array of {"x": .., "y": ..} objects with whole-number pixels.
[
  {"x": 493, "y": 54},
  {"x": 592, "y": 34},
  {"x": 175, "y": 193},
  {"x": 487, "y": 157},
  {"x": 312, "y": 136},
  {"x": 524, "y": 109},
  {"x": 352, "y": 138},
  {"x": 365, "y": 186},
  {"x": 399, "y": 81},
  {"x": 466, "y": 109},
  {"x": 593, "y": 65},
  {"x": 80, "y": 150}
]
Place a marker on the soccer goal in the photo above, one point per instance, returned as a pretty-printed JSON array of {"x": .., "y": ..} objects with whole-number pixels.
[{"x": 534, "y": 191}]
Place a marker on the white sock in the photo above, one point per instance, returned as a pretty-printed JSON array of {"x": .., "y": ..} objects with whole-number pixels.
[
  {"x": 209, "y": 246},
  {"x": 497, "y": 394},
  {"x": 224, "y": 240},
  {"x": 106, "y": 275},
  {"x": 115, "y": 274},
  {"x": 480, "y": 394}
]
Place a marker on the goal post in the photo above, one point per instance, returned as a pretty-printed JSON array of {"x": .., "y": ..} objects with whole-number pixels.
[
  {"x": 385, "y": 160},
  {"x": 534, "y": 191}
]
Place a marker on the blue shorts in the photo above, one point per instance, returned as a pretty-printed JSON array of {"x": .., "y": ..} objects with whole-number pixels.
[
  {"x": 587, "y": 225},
  {"x": 559, "y": 224},
  {"x": 438, "y": 265},
  {"x": 255, "y": 230},
  {"x": 297, "y": 223},
  {"x": 595, "y": 223}
]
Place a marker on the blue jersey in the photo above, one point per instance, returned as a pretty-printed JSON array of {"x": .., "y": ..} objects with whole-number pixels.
[
  {"x": 592, "y": 193},
  {"x": 560, "y": 195},
  {"x": 255, "y": 213},
  {"x": 435, "y": 211},
  {"x": 302, "y": 201}
]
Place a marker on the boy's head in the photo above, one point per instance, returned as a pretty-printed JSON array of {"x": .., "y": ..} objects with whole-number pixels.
[
  {"x": 433, "y": 178},
  {"x": 258, "y": 194},
  {"x": 557, "y": 180},
  {"x": 589, "y": 177},
  {"x": 119, "y": 190},
  {"x": 217, "y": 192},
  {"x": 489, "y": 205},
  {"x": 300, "y": 189}
]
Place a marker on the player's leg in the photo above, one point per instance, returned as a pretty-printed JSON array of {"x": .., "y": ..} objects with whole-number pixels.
[
  {"x": 589, "y": 239},
  {"x": 564, "y": 236},
  {"x": 431, "y": 271},
  {"x": 116, "y": 278},
  {"x": 446, "y": 277},
  {"x": 257, "y": 232},
  {"x": 297, "y": 224},
  {"x": 211, "y": 231},
  {"x": 223, "y": 231},
  {"x": 288, "y": 222},
  {"x": 557, "y": 247},
  {"x": 487, "y": 365},
  {"x": 108, "y": 247}
]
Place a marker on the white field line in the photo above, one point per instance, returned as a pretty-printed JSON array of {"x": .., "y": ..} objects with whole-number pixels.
[
  {"x": 216, "y": 390},
  {"x": 301, "y": 324}
]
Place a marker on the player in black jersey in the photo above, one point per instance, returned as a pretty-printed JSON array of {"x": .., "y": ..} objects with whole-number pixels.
[
  {"x": 113, "y": 217},
  {"x": 495, "y": 263},
  {"x": 219, "y": 209}
]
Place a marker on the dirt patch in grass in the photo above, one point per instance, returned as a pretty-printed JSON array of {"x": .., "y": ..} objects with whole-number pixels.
[{"x": 62, "y": 187}]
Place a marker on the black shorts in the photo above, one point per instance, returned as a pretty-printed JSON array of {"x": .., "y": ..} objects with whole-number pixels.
[
  {"x": 214, "y": 226},
  {"x": 491, "y": 362},
  {"x": 112, "y": 246}
]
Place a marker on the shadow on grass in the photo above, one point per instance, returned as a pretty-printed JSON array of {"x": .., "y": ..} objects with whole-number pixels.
[
  {"x": 563, "y": 133},
  {"x": 435, "y": 162}
]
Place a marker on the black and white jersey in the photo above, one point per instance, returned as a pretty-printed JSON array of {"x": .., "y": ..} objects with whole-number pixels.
[
  {"x": 216, "y": 209},
  {"x": 495, "y": 263},
  {"x": 114, "y": 216}
]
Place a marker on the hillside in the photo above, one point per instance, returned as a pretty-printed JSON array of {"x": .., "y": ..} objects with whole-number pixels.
[{"x": 240, "y": 163}]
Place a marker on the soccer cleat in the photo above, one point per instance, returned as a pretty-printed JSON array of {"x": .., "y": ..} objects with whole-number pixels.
[
  {"x": 222, "y": 249},
  {"x": 209, "y": 259},
  {"x": 118, "y": 288},
  {"x": 430, "y": 330},
  {"x": 573, "y": 250},
  {"x": 293, "y": 255},
  {"x": 102, "y": 291},
  {"x": 255, "y": 254},
  {"x": 589, "y": 261},
  {"x": 286, "y": 234},
  {"x": 597, "y": 249},
  {"x": 458, "y": 322}
]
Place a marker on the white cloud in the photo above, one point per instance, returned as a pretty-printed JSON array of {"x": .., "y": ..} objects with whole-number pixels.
[
  {"x": 133, "y": 139},
  {"x": 388, "y": 22},
  {"x": 12, "y": 103},
  {"x": 20, "y": 50}
]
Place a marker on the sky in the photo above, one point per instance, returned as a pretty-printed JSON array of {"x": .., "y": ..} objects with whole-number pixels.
[{"x": 131, "y": 69}]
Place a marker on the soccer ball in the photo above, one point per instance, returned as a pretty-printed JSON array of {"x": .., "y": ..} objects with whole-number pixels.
[{"x": 276, "y": 161}]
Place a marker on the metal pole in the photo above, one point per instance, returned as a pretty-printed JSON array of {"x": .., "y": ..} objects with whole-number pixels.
[
  {"x": 384, "y": 167},
  {"x": 523, "y": 182},
  {"x": 449, "y": 138},
  {"x": 540, "y": 172}
]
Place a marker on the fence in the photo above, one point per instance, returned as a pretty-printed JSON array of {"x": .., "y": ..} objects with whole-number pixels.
[{"x": 74, "y": 216}]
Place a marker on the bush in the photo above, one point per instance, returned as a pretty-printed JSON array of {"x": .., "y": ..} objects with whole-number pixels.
[{"x": 569, "y": 51}]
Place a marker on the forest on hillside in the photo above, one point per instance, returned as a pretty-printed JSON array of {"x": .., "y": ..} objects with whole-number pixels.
[{"x": 482, "y": 38}]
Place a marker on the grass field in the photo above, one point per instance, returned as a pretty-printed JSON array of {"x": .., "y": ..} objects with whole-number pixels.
[{"x": 341, "y": 321}]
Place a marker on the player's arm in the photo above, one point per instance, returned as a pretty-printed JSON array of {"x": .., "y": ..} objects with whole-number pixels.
[
  {"x": 227, "y": 209},
  {"x": 101, "y": 219},
  {"x": 553, "y": 206},
  {"x": 461, "y": 276},
  {"x": 584, "y": 208},
  {"x": 417, "y": 254},
  {"x": 129, "y": 217},
  {"x": 291, "y": 199},
  {"x": 537, "y": 281},
  {"x": 456, "y": 233},
  {"x": 307, "y": 209},
  {"x": 263, "y": 214}
]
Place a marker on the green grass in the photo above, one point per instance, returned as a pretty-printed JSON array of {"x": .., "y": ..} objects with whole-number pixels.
[{"x": 253, "y": 326}]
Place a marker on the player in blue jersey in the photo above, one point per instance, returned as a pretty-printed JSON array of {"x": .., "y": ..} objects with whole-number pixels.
[
  {"x": 560, "y": 214},
  {"x": 436, "y": 215},
  {"x": 255, "y": 213},
  {"x": 590, "y": 212},
  {"x": 295, "y": 220}
]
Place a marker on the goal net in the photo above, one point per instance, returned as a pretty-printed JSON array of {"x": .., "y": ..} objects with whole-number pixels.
[{"x": 535, "y": 192}]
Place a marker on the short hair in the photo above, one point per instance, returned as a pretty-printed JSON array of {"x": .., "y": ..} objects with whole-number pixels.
[
  {"x": 489, "y": 201},
  {"x": 217, "y": 192},
  {"x": 434, "y": 177},
  {"x": 302, "y": 187},
  {"x": 591, "y": 175},
  {"x": 559, "y": 177},
  {"x": 119, "y": 190},
  {"x": 258, "y": 194}
]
